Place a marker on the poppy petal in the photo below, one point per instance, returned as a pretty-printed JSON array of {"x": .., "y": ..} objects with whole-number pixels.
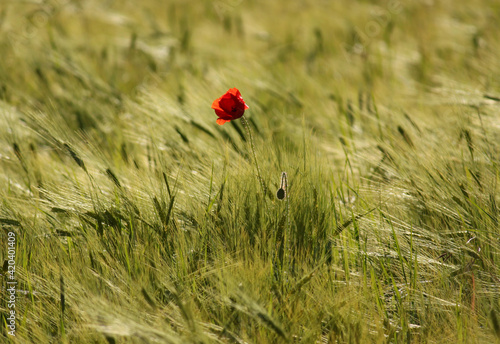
[
  {"x": 223, "y": 114},
  {"x": 221, "y": 121},
  {"x": 215, "y": 104},
  {"x": 228, "y": 104},
  {"x": 234, "y": 91}
]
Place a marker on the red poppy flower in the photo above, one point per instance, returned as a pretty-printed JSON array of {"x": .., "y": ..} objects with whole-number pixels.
[{"x": 230, "y": 106}]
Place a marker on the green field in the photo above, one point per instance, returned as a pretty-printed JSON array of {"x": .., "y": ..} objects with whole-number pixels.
[{"x": 135, "y": 218}]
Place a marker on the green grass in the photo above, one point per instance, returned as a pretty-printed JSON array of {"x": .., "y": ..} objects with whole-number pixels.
[{"x": 140, "y": 220}]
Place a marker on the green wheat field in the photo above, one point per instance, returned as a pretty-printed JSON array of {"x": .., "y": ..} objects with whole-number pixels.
[{"x": 130, "y": 216}]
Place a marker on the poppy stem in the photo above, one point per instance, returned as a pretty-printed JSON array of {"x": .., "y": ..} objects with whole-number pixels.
[{"x": 249, "y": 133}]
